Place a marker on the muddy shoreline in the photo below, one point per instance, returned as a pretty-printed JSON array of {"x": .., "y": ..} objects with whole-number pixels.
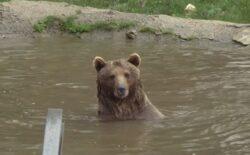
[{"x": 18, "y": 17}]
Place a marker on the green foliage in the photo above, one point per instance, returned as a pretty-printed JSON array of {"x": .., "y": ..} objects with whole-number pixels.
[
  {"x": 71, "y": 25},
  {"x": 155, "y": 31},
  {"x": 228, "y": 10},
  {"x": 112, "y": 25},
  {"x": 39, "y": 27},
  {"x": 189, "y": 38},
  {"x": 148, "y": 30},
  {"x": 45, "y": 23}
]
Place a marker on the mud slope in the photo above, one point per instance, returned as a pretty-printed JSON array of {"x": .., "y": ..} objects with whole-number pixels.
[{"x": 18, "y": 16}]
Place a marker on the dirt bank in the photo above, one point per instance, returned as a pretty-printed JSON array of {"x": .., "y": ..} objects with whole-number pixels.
[{"x": 18, "y": 17}]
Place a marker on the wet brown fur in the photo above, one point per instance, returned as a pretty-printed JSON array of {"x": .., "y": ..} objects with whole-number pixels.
[{"x": 133, "y": 106}]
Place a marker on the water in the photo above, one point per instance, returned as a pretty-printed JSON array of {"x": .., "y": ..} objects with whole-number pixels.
[{"x": 202, "y": 87}]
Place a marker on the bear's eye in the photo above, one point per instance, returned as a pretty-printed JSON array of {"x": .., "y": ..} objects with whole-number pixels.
[
  {"x": 127, "y": 75},
  {"x": 112, "y": 77}
]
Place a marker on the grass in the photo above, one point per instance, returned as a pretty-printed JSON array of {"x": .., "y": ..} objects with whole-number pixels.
[
  {"x": 189, "y": 38},
  {"x": 148, "y": 30},
  {"x": 45, "y": 23},
  {"x": 227, "y": 10},
  {"x": 70, "y": 25},
  {"x": 113, "y": 25},
  {"x": 155, "y": 31}
]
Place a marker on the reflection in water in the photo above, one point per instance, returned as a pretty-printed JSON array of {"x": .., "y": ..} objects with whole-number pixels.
[{"x": 202, "y": 87}]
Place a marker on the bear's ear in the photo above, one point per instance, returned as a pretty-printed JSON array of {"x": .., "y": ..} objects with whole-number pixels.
[
  {"x": 99, "y": 63},
  {"x": 135, "y": 59}
]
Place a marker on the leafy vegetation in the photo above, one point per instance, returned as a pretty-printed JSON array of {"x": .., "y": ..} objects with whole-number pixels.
[
  {"x": 70, "y": 25},
  {"x": 227, "y": 10},
  {"x": 148, "y": 30},
  {"x": 155, "y": 31},
  {"x": 45, "y": 23}
]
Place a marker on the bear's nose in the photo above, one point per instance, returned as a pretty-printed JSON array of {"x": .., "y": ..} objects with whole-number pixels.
[{"x": 122, "y": 90}]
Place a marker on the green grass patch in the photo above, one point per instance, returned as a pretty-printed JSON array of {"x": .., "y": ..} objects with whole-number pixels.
[
  {"x": 189, "y": 38},
  {"x": 155, "y": 31},
  {"x": 45, "y": 23},
  {"x": 148, "y": 30},
  {"x": 167, "y": 31},
  {"x": 227, "y": 10},
  {"x": 112, "y": 25},
  {"x": 71, "y": 25}
]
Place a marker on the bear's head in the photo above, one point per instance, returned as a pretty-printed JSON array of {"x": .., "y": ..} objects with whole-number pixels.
[{"x": 118, "y": 79}]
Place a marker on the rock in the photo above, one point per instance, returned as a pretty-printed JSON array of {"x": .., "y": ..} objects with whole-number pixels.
[
  {"x": 190, "y": 8},
  {"x": 243, "y": 36},
  {"x": 131, "y": 34}
]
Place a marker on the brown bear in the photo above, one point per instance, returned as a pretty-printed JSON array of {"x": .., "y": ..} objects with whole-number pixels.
[{"x": 119, "y": 90}]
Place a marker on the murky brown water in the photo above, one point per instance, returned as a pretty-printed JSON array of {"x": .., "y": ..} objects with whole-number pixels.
[{"x": 202, "y": 87}]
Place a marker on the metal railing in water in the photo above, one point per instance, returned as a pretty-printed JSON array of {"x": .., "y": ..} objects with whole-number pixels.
[{"x": 53, "y": 136}]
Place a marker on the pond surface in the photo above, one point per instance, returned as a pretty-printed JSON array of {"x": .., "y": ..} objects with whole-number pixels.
[{"x": 202, "y": 87}]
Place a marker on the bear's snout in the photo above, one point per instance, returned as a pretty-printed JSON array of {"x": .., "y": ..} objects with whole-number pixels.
[
  {"x": 122, "y": 90},
  {"x": 121, "y": 87}
]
